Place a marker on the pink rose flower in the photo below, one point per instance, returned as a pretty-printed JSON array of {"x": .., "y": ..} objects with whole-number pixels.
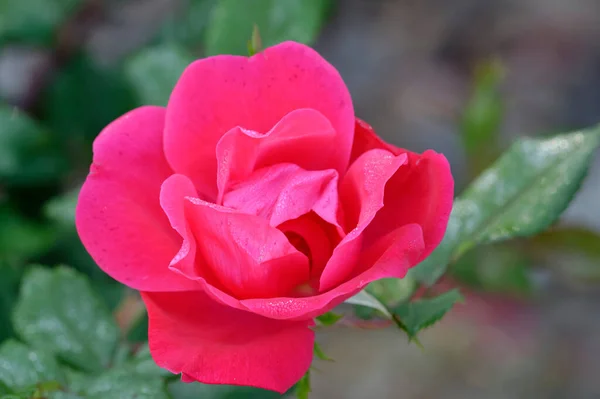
[{"x": 252, "y": 203}]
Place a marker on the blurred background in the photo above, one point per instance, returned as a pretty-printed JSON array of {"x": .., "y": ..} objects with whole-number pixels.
[{"x": 464, "y": 77}]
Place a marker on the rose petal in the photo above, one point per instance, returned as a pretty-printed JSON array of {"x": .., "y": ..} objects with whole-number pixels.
[
  {"x": 421, "y": 192},
  {"x": 365, "y": 139},
  {"x": 285, "y": 191},
  {"x": 189, "y": 333},
  {"x": 173, "y": 191},
  {"x": 248, "y": 257},
  {"x": 392, "y": 257},
  {"x": 118, "y": 214},
  {"x": 217, "y": 94},
  {"x": 292, "y": 140},
  {"x": 362, "y": 194}
]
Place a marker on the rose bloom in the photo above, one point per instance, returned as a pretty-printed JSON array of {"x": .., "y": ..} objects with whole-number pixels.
[{"x": 252, "y": 203}]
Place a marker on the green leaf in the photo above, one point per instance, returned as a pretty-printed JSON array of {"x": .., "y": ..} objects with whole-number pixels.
[
  {"x": 318, "y": 352},
  {"x": 58, "y": 310},
  {"x": 33, "y": 21},
  {"x": 418, "y": 315},
  {"x": 143, "y": 364},
  {"x": 121, "y": 383},
  {"x": 28, "y": 154},
  {"x": 196, "y": 390},
  {"x": 231, "y": 26},
  {"x": 392, "y": 291},
  {"x": 303, "y": 389},
  {"x": 144, "y": 379},
  {"x": 365, "y": 299},
  {"x": 522, "y": 194},
  {"x": 63, "y": 395},
  {"x": 527, "y": 189},
  {"x": 154, "y": 71},
  {"x": 329, "y": 318},
  {"x": 22, "y": 367},
  {"x": 77, "y": 381}
]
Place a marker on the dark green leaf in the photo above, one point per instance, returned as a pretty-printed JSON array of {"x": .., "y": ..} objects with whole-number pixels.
[
  {"x": 143, "y": 364},
  {"x": 121, "y": 383},
  {"x": 28, "y": 154},
  {"x": 230, "y": 26},
  {"x": 523, "y": 193},
  {"x": 22, "y": 238},
  {"x": 418, "y": 315},
  {"x": 22, "y": 367},
  {"x": 9, "y": 289},
  {"x": 392, "y": 291},
  {"x": 58, "y": 310},
  {"x": 33, "y": 21},
  {"x": 63, "y": 395},
  {"x": 4, "y": 389},
  {"x": 70, "y": 250},
  {"x": 364, "y": 313},
  {"x": 77, "y": 381},
  {"x": 20, "y": 395},
  {"x": 196, "y": 390},
  {"x": 329, "y": 318},
  {"x": 154, "y": 71},
  {"x": 83, "y": 99},
  {"x": 145, "y": 378}
]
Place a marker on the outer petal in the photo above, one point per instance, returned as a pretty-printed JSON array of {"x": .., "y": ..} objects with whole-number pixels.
[
  {"x": 362, "y": 194},
  {"x": 292, "y": 140},
  {"x": 219, "y": 93},
  {"x": 285, "y": 191},
  {"x": 365, "y": 140},
  {"x": 190, "y": 333},
  {"x": 248, "y": 257},
  {"x": 118, "y": 216},
  {"x": 422, "y": 192}
]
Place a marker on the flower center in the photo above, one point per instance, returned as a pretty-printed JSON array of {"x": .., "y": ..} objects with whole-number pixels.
[{"x": 299, "y": 243}]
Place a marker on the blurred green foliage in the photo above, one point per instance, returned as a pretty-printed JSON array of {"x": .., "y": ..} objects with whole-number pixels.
[
  {"x": 34, "y": 21},
  {"x": 482, "y": 116},
  {"x": 229, "y": 29},
  {"x": 28, "y": 153}
]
